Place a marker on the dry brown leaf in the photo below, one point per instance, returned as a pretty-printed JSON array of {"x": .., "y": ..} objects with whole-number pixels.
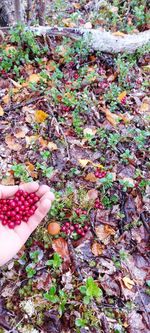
[
  {"x": 6, "y": 99},
  {"x": 8, "y": 180},
  {"x": 83, "y": 162},
  {"x": 61, "y": 247},
  {"x": 42, "y": 142},
  {"x": 128, "y": 282},
  {"x": 91, "y": 177},
  {"x": 31, "y": 140},
  {"x": 97, "y": 249},
  {"x": 76, "y": 5},
  {"x": 103, "y": 232},
  {"x": 11, "y": 143},
  {"x": 92, "y": 194},
  {"x": 20, "y": 133},
  {"x": 35, "y": 78},
  {"x": 114, "y": 118},
  {"x": 1, "y": 111},
  {"x": 52, "y": 146},
  {"x": 68, "y": 23},
  {"x": 40, "y": 116}
]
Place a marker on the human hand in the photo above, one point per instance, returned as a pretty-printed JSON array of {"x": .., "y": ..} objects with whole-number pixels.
[{"x": 11, "y": 240}]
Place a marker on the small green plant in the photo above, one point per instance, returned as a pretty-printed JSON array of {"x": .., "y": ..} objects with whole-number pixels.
[
  {"x": 45, "y": 154},
  {"x": 60, "y": 298},
  {"x": 30, "y": 270},
  {"x": 77, "y": 123},
  {"x": 126, "y": 156},
  {"x": 113, "y": 139},
  {"x": 21, "y": 172},
  {"x": 107, "y": 181},
  {"x": 55, "y": 262},
  {"x": 90, "y": 290},
  {"x": 46, "y": 171},
  {"x": 126, "y": 184}
]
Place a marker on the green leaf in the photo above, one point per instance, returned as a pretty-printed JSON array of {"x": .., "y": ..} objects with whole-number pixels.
[
  {"x": 83, "y": 289},
  {"x": 86, "y": 299}
]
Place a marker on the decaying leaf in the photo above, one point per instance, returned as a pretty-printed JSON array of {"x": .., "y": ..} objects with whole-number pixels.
[
  {"x": 114, "y": 118},
  {"x": 35, "y": 78},
  {"x": 40, "y": 116},
  {"x": 91, "y": 177},
  {"x": 52, "y": 146},
  {"x": 6, "y": 99},
  {"x": 92, "y": 194},
  {"x": 97, "y": 249},
  {"x": 11, "y": 143},
  {"x": 128, "y": 282},
  {"x": 103, "y": 232},
  {"x": 1, "y": 111},
  {"x": 61, "y": 247}
]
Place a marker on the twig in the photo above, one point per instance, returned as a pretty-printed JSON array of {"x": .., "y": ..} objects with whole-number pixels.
[
  {"x": 74, "y": 259},
  {"x": 20, "y": 105},
  {"x": 142, "y": 218},
  {"x": 60, "y": 128}
]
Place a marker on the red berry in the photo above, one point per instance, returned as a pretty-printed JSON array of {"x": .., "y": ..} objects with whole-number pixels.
[
  {"x": 71, "y": 228},
  {"x": 11, "y": 225},
  {"x": 96, "y": 205},
  {"x": 67, "y": 224},
  {"x": 97, "y": 174},
  {"x": 76, "y": 226},
  {"x": 85, "y": 228},
  {"x": 18, "y": 222},
  {"x": 84, "y": 212},
  {"x": 4, "y": 222},
  {"x": 63, "y": 228},
  {"x": 25, "y": 219},
  {"x": 82, "y": 233}
]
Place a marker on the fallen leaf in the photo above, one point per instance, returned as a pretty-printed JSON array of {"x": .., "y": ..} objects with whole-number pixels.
[
  {"x": 35, "y": 78},
  {"x": 92, "y": 194},
  {"x": 42, "y": 142},
  {"x": 97, "y": 249},
  {"x": 61, "y": 247},
  {"x": 11, "y": 143},
  {"x": 20, "y": 132},
  {"x": 91, "y": 177},
  {"x": 83, "y": 162},
  {"x": 52, "y": 146},
  {"x": 1, "y": 111},
  {"x": 6, "y": 99},
  {"x": 122, "y": 95},
  {"x": 76, "y": 5},
  {"x": 103, "y": 232},
  {"x": 40, "y": 116},
  {"x": 114, "y": 118},
  {"x": 8, "y": 179},
  {"x": 128, "y": 282},
  {"x": 145, "y": 106}
]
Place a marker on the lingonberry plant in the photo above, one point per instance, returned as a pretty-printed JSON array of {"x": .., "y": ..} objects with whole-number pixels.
[{"x": 18, "y": 209}]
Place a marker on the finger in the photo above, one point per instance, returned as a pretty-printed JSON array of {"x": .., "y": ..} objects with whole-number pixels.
[
  {"x": 39, "y": 214},
  {"x": 7, "y": 191},
  {"x": 43, "y": 189},
  {"x": 29, "y": 187},
  {"x": 47, "y": 195}
]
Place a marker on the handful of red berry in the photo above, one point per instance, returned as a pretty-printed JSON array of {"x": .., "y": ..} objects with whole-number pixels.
[{"x": 18, "y": 209}]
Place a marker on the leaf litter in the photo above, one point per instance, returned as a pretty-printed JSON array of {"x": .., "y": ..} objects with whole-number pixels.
[{"x": 88, "y": 140}]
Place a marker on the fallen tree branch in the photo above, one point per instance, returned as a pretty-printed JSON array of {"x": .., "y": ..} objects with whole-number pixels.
[{"x": 100, "y": 40}]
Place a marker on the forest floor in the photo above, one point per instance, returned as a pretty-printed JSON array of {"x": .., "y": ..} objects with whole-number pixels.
[{"x": 77, "y": 121}]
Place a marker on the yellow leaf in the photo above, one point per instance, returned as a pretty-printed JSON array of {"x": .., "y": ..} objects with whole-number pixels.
[
  {"x": 128, "y": 282},
  {"x": 6, "y": 99},
  {"x": 11, "y": 143},
  {"x": 145, "y": 107},
  {"x": 90, "y": 177},
  {"x": 98, "y": 165},
  {"x": 76, "y": 5},
  {"x": 83, "y": 162},
  {"x": 97, "y": 249},
  {"x": 40, "y": 116},
  {"x": 1, "y": 111},
  {"x": 146, "y": 69},
  {"x": 34, "y": 78},
  {"x": 122, "y": 95},
  {"x": 52, "y": 146}
]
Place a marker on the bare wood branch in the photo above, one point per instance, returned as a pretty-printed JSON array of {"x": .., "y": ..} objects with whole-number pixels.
[{"x": 100, "y": 40}]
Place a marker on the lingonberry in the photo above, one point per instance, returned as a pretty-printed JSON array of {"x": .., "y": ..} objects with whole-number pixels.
[
  {"x": 17, "y": 209},
  {"x": 85, "y": 228},
  {"x": 63, "y": 228}
]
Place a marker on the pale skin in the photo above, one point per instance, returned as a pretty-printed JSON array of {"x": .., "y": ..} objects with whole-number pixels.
[{"x": 12, "y": 240}]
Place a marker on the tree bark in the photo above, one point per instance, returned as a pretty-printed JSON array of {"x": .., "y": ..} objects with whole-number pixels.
[
  {"x": 6, "y": 13},
  {"x": 100, "y": 40},
  {"x": 41, "y": 5},
  {"x": 18, "y": 10}
]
